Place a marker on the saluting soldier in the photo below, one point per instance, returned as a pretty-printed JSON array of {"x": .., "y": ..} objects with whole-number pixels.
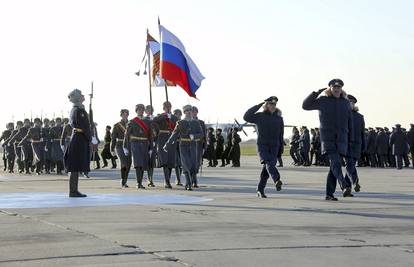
[
  {"x": 138, "y": 142},
  {"x": 335, "y": 116},
  {"x": 56, "y": 152},
  {"x": 270, "y": 129},
  {"x": 188, "y": 131},
  {"x": 166, "y": 124},
  {"x": 118, "y": 135},
  {"x": 4, "y": 136},
  {"x": 34, "y": 136},
  {"x": 149, "y": 111},
  {"x": 77, "y": 153}
]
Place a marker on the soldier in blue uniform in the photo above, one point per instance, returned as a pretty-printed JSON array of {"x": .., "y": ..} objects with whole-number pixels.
[
  {"x": 118, "y": 135},
  {"x": 138, "y": 142},
  {"x": 56, "y": 152},
  {"x": 270, "y": 129},
  {"x": 335, "y": 116},
  {"x": 189, "y": 132},
  {"x": 399, "y": 143},
  {"x": 77, "y": 153},
  {"x": 166, "y": 123},
  {"x": 356, "y": 146},
  {"x": 12, "y": 142},
  {"x": 382, "y": 143},
  {"x": 8, "y": 153},
  {"x": 410, "y": 137}
]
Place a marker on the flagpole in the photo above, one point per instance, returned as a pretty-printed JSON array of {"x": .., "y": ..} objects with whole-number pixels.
[
  {"x": 149, "y": 70},
  {"x": 165, "y": 82}
]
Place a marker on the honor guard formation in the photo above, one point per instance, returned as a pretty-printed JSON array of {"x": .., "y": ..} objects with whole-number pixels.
[{"x": 177, "y": 141}]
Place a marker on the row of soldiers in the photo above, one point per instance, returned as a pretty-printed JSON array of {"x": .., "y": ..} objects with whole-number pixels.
[
  {"x": 381, "y": 147},
  {"x": 167, "y": 141},
  {"x": 217, "y": 149},
  {"x": 35, "y": 146}
]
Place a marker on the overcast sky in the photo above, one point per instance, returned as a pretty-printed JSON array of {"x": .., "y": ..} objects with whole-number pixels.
[{"x": 247, "y": 50}]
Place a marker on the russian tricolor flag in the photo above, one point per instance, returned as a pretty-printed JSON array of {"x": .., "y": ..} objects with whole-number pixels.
[{"x": 176, "y": 65}]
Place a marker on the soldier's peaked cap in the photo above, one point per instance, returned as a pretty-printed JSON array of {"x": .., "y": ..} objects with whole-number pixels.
[
  {"x": 352, "y": 98},
  {"x": 272, "y": 100},
  {"x": 336, "y": 82}
]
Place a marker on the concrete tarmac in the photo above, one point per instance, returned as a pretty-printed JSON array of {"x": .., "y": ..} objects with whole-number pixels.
[{"x": 221, "y": 224}]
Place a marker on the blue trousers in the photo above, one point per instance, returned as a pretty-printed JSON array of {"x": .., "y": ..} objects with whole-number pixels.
[
  {"x": 351, "y": 171},
  {"x": 269, "y": 170},
  {"x": 335, "y": 174}
]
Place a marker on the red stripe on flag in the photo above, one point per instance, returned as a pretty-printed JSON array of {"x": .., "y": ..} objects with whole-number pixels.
[{"x": 173, "y": 73}]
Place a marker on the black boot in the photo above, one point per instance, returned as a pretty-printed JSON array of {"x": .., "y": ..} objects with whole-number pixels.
[
  {"x": 188, "y": 182},
  {"x": 194, "y": 180},
  {"x": 124, "y": 177},
  {"x": 73, "y": 185},
  {"x": 151, "y": 177},
  {"x": 113, "y": 163},
  {"x": 167, "y": 177},
  {"x": 178, "y": 175},
  {"x": 140, "y": 176}
]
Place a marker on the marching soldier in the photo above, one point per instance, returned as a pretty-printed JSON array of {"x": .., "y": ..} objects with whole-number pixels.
[
  {"x": 138, "y": 142},
  {"x": 27, "y": 151},
  {"x": 210, "y": 152},
  {"x": 166, "y": 124},
  {"x": 106, "y": 152},
  {"x": 118, "y": 135},
  {"x": 77, "y": 153},
  {"x": 189, "y": 132},
  {"x": 235, "y": 148},
  {"x": 149, "y": 111},
  {"x": 4, "y": 136},
  {"x": 178, "y": 167},
  {"x": 410, "y": 137},
  {"x": 219, "y": 147},
  {"x": 12, "y": 142},
  {"x": 56, "y": 152},
  {"x": 335, "y": 116},
  {"x": 294, "y": 146},
  {"x": 47, "y": 145},
  {"x": 270, "y": 128},
  {"x": 202, "y": 144},
  {"x": 34, "y": 136},
  {"x": 355, "y": 147}
]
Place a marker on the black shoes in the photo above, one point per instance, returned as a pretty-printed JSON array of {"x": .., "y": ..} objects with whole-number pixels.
[
  {"x": 347, "y": 192},
  {"x": 357, "y": 188},
  {"x": 168, "y": 186},
  {"x": 151, "y": 184},
  {"x": 188, "y": 188},
  {"x": 261, "y": 194},
  {"x": 76, "y": 194},
  {"x": 331, "y": 198},
  {"x": 278, "y": 185},
  {"x": 140, "y": 186}
]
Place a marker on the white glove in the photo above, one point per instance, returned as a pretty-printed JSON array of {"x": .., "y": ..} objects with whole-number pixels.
[
  {"x": 63, "y": 148},
  {"x": 126, "y": 152},
  {"x": 192, "y": 136},
  {"x": 94, "y": 140},
  {"x": 165, "y": 148},
  {"x": 169, "y": 115},
  {"x": 150, "y": 153}
]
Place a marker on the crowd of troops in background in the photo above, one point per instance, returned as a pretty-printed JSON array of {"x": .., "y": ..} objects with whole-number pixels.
[
  {"x": 144, "y": 142},
  {"x": 381, "y": 148}
]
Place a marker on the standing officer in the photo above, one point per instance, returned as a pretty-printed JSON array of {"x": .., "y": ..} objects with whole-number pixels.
[
  {"x": 188, "y": 131},
  {"x": 166, "y": 124},
  {"x": 294, "y": 146},
  {"x": 27, "y": 151},
  {"x": 118, "y": 136},
  {"x": 149, "y": 111},
  {"x": 304, "y": 144},
  {"x": 77, "y": 153},
  {"x": 270, "y": 128},
  {"x": 335, "y": 116},
  {"x": 398, "y": 142},
  {"x": 227, "y": 150},
  {"x": 356, "y": 146},
  {"x": 56, "y": 152},
  {"x": 410, "y": 137},
  {"x": 138, "y": 142},
  {"x": 382, "y": 143},
  {"x": 235, "y": 148},
  {"x": 371, "y": 148},
  {"x": 47, "y": 144}
]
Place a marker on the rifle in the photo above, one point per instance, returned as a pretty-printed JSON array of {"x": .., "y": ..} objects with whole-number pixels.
[{"x": 94, "y": 147}]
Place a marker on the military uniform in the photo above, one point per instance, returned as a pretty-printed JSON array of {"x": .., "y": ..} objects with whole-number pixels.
[
  {"x": 34, "y": 136},
  {"x": 166, "y": 124},
  {"x": 152, "y": 164},
  {"x": 138, "y": 141},
  {"x": 371, "y": 147},
  {"x": 220, "y": 148},
  {"x": 56, "y": 152},
  {"x": 382, "y": 143},
  {"x": 202, "y": 143},
  {"x": 399, "y": 143},
  {"x": 235, "y": 149},
  {"x": 188, "y": 133},
  {"x": 47, "y": 142},
  {"x": 106, "y": 152},
  {"x": 210, "y": 153},
  {"x": 410, "y": 137},
  {"x": 23, "y": 150},
  {"x": 12, "y": 144},
  {"x": 118, "y": 135}
]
